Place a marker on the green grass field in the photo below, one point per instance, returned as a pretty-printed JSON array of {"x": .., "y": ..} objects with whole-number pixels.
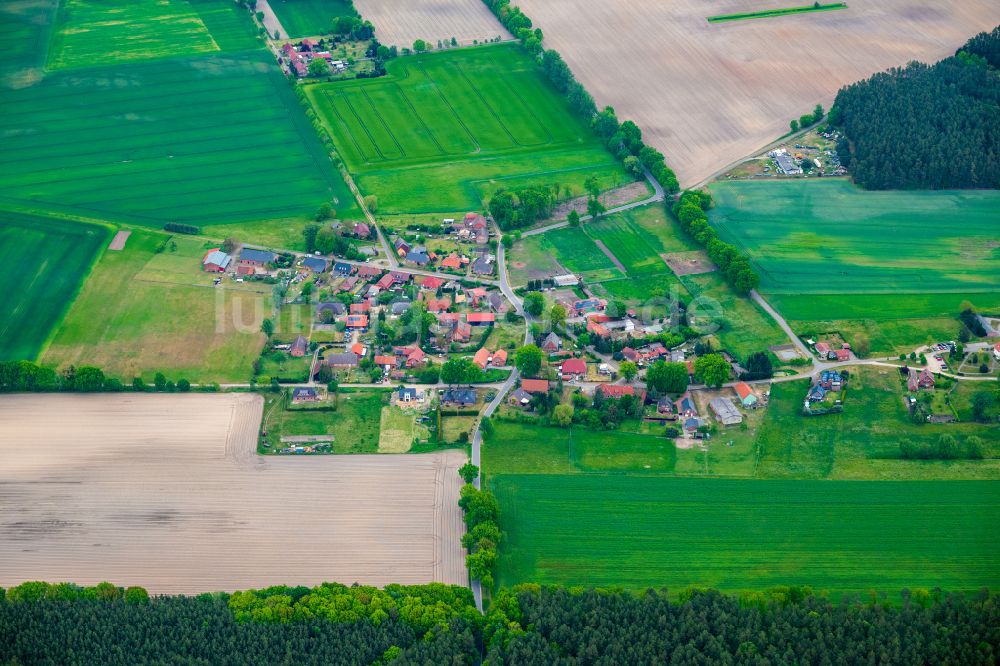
[
  {"x": 836, "y": 536},
  {"x": 308, "y": 18},
  {"x": 141, "y": 312},
  {"x": 444, "y": 129},
  {"x": 45, "y": 262},
  {"x": 90, "y": 33},
  {"x": 208, "y": 139},
  {"x": 863, "y": 441},
  {"x": 354, "y": 426}
]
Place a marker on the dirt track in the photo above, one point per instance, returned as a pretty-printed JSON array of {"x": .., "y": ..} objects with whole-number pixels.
[
  {"x": 707, "y": 95},
  {"x": 167, "y": 491},
  {"x": 401, "y": 23}
]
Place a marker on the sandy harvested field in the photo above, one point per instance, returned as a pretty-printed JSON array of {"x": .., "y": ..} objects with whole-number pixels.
[
  {"x": 688, "y": 263},
  {"x": 707, "y": 95},
  {"x": 401, "y": 23},
  {"x": 166, "y": 491},
  {"x": 118, "y": 242}
]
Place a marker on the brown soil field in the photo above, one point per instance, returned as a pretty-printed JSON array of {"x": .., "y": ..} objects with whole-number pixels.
[
  {"x": 168, "y": 492},
  {"x": 689, "y": 263},
  {"x": 401, "y": 23},
  {"x": 118, "y": 242},
  {"x": 708, "y": 94}
]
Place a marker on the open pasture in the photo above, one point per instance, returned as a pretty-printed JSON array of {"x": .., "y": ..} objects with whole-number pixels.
[
  {"x": 45, "y": 262},
  {"x": 143, "y": 312},
  {"x": 92, "y": 33},
  {"x": 830, "y": 237},
  {"x": 708, "y": 94},
  {"x": 166, "y": 491},
  {"x": 863, "y": 441},
  {"x": 443, "y": 130},
  {"x": 836, "y": 536},
  {"x": 309, "y": 18},
  {"x": 214, "y": 138},
  {"x": 402, "y": 23}
]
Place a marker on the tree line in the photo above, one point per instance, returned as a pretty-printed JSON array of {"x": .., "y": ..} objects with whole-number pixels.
[
  {"x": 42, "y": 623},
  {"x": 25, "y": 376},
  {"x": 926, "y": 126},
  {"x": 733, "y": 264},
  {"x": 623, "y": 139},
  {"x": 482, "y": 522}
]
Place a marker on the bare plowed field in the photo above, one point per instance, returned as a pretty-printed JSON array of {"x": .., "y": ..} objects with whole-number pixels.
[
  {"x": 167, "y": 491},
  {"x": 709, "y": 94},
  {"x": 401, "y": 23}
]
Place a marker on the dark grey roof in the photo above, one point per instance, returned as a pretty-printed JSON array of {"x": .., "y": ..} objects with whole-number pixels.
[
  {"x": 336, "y": 307},
  {"x": 315, "y": 264},
  {"x": 341, "y": 267},
  {"x": 303, "y": 392},
  {"x": 465, "y": 396},
  {"x": 347, "y": 358},
  {"x": 262, "y": 256},
  {"x": 404, "y": 392}
]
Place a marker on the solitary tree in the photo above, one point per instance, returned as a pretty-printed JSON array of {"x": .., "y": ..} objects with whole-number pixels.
[
  {"x": 230, "y": 245},
  {"x": 558, "y": 315},
  {"x": 419, "y": 46},
  {"x": 468, "y": 472},
  {"x": 629, "y": 370},
  {"x": 534, "y": 303},
  {"x": 267, "y": 327},
  {"x": 573, "y": 218},
  {"x": 713, "y": 370},
  {"x": 563, "y": 415},
  {"x": 528, "y": 359},
  {"x": 324, "y": 212}
]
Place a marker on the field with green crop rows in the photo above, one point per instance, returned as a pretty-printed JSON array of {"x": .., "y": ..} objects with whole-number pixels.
[
  {"x": 444, "y": 129},
  {"x": 143, "y": 311},
  {"x": 309, "y": 18},
  {"x": 89, "y": 33},
  {"x": 836, "y": 536},
  {"x": 206, "y": 139},
  {"x": 829, "y": 237},
  {"x": 45, "y": 262}
]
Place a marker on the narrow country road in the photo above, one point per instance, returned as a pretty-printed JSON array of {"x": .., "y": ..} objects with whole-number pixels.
[
  {"x": 759, "y": 300},
  {"x": 271, "y": 22},
  {"x": 658, "y": 195}
]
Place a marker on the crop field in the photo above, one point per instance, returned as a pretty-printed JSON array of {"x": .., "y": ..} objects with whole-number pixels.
[
  {"x": 308, "y": 18},
  {"x": 402, "y": 23},
  {"x": 708, "y": 94},
  {"x": 166, "y": 491},
  {"x": 863, "y": 441},
  {"x": 632, "y": 246},
  {"x": 45, "y": 262},
  {"x": 143, "y": 311},
  {"x": 143, "y": 149},
  {"x": 836, "y": 536},
  {"x": 443, "y": 130},
  {"x": 91, "y": 33},
  {"x": 862, "y": 242}
]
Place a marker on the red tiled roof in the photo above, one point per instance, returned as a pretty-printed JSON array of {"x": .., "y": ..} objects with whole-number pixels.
[
  {"x": 451, "y": 261},
  {"x": 574, "y": 366},
  {"x": 618, "y": 390},
  {"x": 357, "y": 321},
  {"x": 385, "y": 360},
  {"x": 360, "y": 308},
  {"x": 743, "y": 390},
  {"x": 385, "y": 281},
  {"x": 358, "y": 348},
  {"x": 500, "y": 357},
  {"x": 535, "y": 385},
  {"x": 481, "y": 357},
  {"x": 480, "y": 317},
  {"x": 822, "y": 347},
  {"x": 431, "y": 282}
]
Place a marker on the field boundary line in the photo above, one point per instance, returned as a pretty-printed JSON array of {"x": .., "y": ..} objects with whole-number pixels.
[
  {"x": 486, "y": 105},
  {"x": 416, "y": 114},
  {"x": 381, "y": 119},
  {"x": 444, "y": 98}
]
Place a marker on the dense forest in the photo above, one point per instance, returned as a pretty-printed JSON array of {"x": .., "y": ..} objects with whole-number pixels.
[
  {"x": 333, "y": 624},
  {"x": 926, "y": 126}
]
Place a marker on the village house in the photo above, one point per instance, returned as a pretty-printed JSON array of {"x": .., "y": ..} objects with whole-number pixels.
[
  {"x": 385, "y": 361},
  {"x": 665, "y": 408},
  {"x": 597, "y": 329},
  {"x": 482, "y": 358},
  {"x": 359, "y": 349},
  {"x": 498, "y": 303},
  {"x": 551, "y": 344},
  {"x": 816, "y": 394},
  {"x": 397, "y": 308},
  {"x": 364, "y": 307},
  {"x": 343, "y": 269},
  {"x": 343, "y": 361},
  {"x": 304, "y": 394},
  {"x": 299, "y": 347},
  {"x": 920, "y": 380},
  {"x": 618, "y": 391},
  {"x": 328, "y": 312},
  {"x": 368, "y": 272},
  {"x": 685, "y": 406},
  {"x": 473, "y": 227},
  {"x": 348, "y": 284},
  {"x": 435, "y": 305},
  {"x": 480, "y": 318},
  {"x": 431, "y": 283},
  {"x": 401, "y": 247},
  {"x": 458, "y": 397},
  {"x": 385, "y": 282},
  {"x": 519, "y": 398},
  {"x": 499, "y": 358},
  {"x": 253, "y": 261},
  {"x": 216, "y": 261},
  {"x": 405, "y": 394},
  {"x": 362, "y": 231},
  {"x": 726, "y": 412},
  {"x": 462, "y": 332},
  {"x": 822, "y": 348},
  {"x": 357, "y": 322},
  {"x": 452, "y": 262},
  {"x": 418, "y": 256},
  {"x": 316, "y": 264},
  {"x": 535, "y": 385},
  {"x": 831, "y": 380},
  {"x": 400, "y": 277},
  {"x": 573, "y": 368},
  {"x": 582, "y": 307},
  {"x": 747, "y": 397},
  {"x": 483, "y": 265},
  {"x": 996, "y": 351},
  {"x": 476, "y": 294}
]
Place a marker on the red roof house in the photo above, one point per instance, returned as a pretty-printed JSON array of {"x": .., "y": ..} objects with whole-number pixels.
[
  {"x": 360, "y": 308},
  {"x": 385, "y": 360},
  {"x": 499, "y": 358},
  {"x": 482, "y": 357},
  {"x": 480, "y": 318},
  {"x": 385, "y": 282},
  {"x": 618, "y": 391},
  {"x": 535, "y": 385},
  {"x": 574, "y": 366},
  {"x": 357, "y": 321},
  {"x": 431, "y": 282},
  {"x": 452, "y": 262}
]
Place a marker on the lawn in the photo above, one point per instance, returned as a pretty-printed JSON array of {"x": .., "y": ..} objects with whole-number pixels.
[
  {"x": 445, "y": 129},
  {"x": 142, "y": 311},
  {"x": 212, "y": 139},
  {"x": 45, "y": 262},
  {"x": 353, "y": 425},
  {"x": 309, "y": 18},
  {"x": 820, "y": 245},
  {"x": 577, "y": 252},
  {"x": 398, "y": 429},
  {"x": 661, "y": 532},
  {"x": 863, "y": 441}
]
